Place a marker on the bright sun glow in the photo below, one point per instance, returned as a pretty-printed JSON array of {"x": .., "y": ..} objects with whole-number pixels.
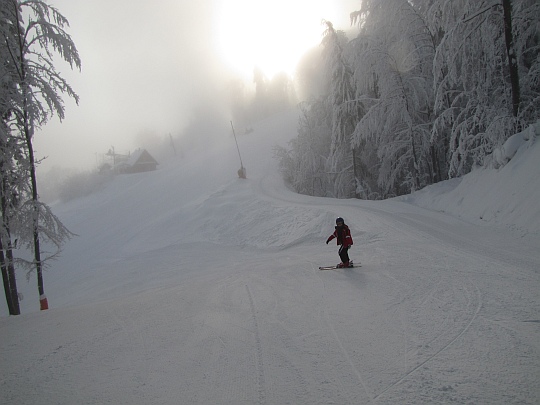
[{"x": 271, "y": 35}]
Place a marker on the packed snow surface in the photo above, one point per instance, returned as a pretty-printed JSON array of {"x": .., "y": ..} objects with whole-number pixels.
[{"x": 188, "y": 285}]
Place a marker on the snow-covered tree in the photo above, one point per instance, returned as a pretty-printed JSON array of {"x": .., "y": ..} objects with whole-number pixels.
[
  {"x": 303, "y": 165},
  {"x": 392, "y": 61},
  {"x": 478, "y": 68},
  {"x": 32, "y": 31},
  {"x": 9, "y": 182},
  {"x": 525, "y": 43},
  {"x": 10, "y": 150},
  {"x": 346, "y": 112},
  {"x": 430, "y": 87}
]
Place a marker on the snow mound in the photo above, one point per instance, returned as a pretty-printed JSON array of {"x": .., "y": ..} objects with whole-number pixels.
[
  {"x": 501, "y": 156},
  {"x": 234, "y": 215},
  {"x": 504, "y": 192}
]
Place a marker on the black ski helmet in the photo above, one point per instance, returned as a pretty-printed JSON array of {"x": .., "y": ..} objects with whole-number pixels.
[{"x": 340, "y": 220}]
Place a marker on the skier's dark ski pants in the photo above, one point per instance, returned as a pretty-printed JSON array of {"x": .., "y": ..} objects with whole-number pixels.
[{"x": 343, "y": 253}]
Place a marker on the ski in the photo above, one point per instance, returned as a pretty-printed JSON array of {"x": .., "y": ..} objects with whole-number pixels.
[{"x": 336, "y": 267}]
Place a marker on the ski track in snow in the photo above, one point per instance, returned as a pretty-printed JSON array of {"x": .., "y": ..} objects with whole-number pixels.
[{"x": 260, "y": 363}]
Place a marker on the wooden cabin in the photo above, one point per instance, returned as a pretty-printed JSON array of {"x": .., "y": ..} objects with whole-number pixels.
[{"x": 138, "y": 161}]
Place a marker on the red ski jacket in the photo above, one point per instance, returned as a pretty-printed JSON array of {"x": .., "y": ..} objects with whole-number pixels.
[{"x": 343, "y": 235}]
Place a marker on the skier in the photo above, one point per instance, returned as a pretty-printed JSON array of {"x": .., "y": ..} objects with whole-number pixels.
[{"x": 344, "y": 241}]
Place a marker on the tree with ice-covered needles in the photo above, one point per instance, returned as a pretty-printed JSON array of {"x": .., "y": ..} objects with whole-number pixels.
[{"x": 32, "y": 32}]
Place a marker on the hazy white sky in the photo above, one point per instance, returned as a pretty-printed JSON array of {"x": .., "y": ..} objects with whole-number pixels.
[{"x": 146, "y": 64}]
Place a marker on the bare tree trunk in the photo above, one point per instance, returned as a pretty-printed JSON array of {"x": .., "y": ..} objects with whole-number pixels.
[
  {"x": 10, "y": 282},
  {"x": 6, "y": 281},
  {"x": 6, "y": 259},
  {"x": 43, "y": 303},
  {"x": 512, "y": 57},
  {"x": 28, "y": 133},
  {"x": 28, "y": 128}
]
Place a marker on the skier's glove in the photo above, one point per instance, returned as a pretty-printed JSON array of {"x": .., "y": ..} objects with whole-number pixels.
[{"x": 328, "y": 240}]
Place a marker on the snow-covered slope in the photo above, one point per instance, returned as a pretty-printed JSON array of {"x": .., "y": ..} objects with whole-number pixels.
[
  {"x": 188, "y": 285},
  {"x": 506, "y": 195}
]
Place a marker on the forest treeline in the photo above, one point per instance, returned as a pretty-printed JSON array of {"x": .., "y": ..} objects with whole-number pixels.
[{"x": 424, "y": 92}]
